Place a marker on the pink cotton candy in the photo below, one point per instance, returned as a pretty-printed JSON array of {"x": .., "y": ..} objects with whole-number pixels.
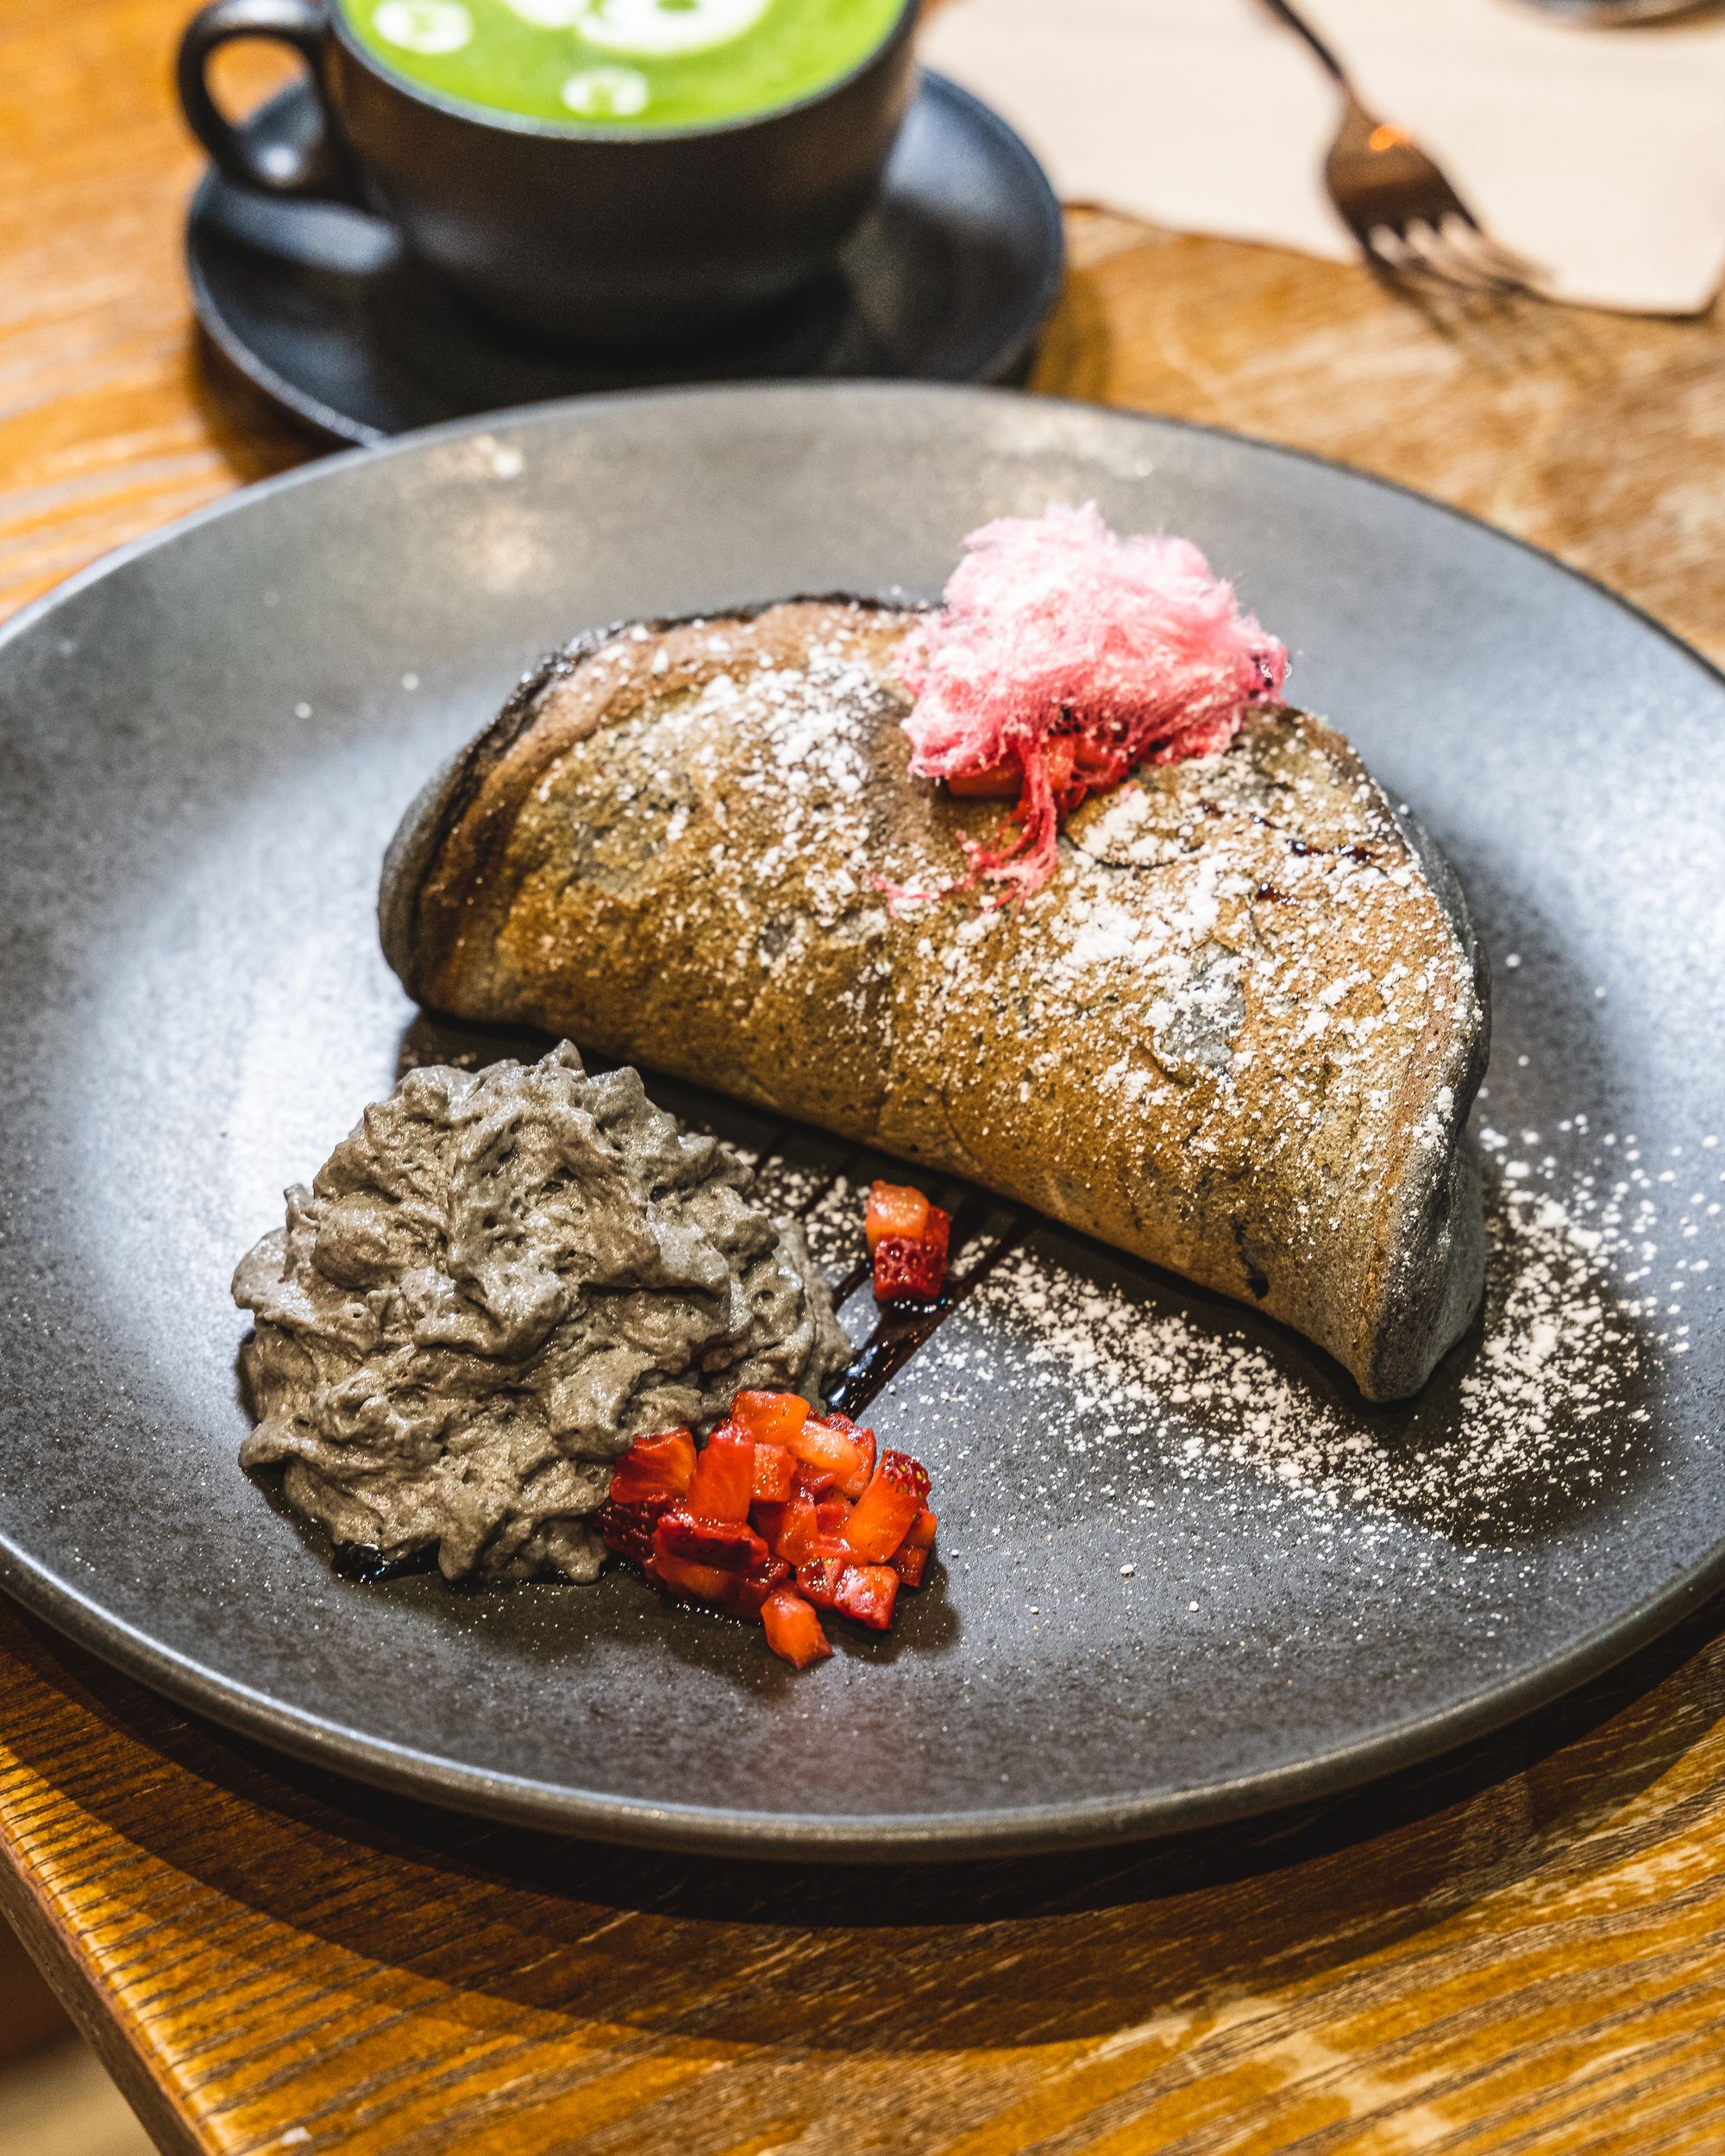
[{"x": 1055, "y": 627}]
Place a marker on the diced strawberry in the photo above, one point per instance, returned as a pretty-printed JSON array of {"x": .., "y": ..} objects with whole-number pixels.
[
  {"x": 724, "y": 1475},
  {"x": 799, "y": 1524},
  {"x": 887, "y": 1507},
  {"x": 908, "y": 1239},
  {"x": 729, "y": 1545},
  {"x": 910, "y": 1562},
  {"x": 832, "y": 1517},
  {"x": 627, "y": 1529},
  {"x": 794, "y": 1631},
  {"x": 817, "y": 1578},
  {"x": 775, "y": 1470},
  {"x": 703, "y": 1581},
  {"x": 661, "y": 1465},
  {"x": 770, "y": 1418},
  {"x": 773, "y": 1531},
  {"x": 867, "y": 1593},
  {"x": 894, "y": 1209},
  {"x": 749, "y": 1590},
  {"x": 857, "y": 1482},
  {"x": 834, "y": 1446},
  {"x": 914, "y": 1269}
]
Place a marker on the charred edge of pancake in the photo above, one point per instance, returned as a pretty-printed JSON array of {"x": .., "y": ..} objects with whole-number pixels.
[
  {"x": 1432, "y": 1296},
  {"x": 417, "y": 954}
]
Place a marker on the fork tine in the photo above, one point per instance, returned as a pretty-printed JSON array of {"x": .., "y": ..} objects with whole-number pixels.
[
  {"x": 1504, "y": 261},
  {"x": 1436, "y": 255},
  {"x": 1474, "y": 247},
  {"x": 1387, "y": 244},
  {"x": 1395, "y": 252}
]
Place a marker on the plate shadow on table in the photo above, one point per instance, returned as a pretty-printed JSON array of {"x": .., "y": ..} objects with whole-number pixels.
[
  {"x": 1119, "y": 1936},
  {"x": 253, "y": 439}
]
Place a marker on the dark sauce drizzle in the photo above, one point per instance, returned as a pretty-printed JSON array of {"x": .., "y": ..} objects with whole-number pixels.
[
  {"x": 852, "y": 1281},
  {"x": 362, "y": 1563},
  {"x": 1300, "y": 848},
  {"x": 903, "y": 1327}
]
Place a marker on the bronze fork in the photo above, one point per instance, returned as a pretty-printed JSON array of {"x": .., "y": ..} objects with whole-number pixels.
[{"x": 1396, "y": 202}]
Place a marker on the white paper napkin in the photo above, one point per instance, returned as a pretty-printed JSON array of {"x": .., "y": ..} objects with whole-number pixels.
[{"x": 1598, "y": 153}]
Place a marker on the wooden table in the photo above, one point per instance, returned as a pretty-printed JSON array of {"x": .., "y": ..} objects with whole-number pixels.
[{"x": 1522, "y": 1950}]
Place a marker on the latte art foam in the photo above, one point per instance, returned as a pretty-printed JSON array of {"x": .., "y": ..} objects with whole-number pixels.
[
  {"x": 648, "y": 30},
  {"x": 642, "y": 64}
]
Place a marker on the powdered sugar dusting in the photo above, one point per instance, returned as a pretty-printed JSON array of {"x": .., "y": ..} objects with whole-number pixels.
[
  {"x": 807, "y": 758},
  {"x": 1541, "y": 1410}
]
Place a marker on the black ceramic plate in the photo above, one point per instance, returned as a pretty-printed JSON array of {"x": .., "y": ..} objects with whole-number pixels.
[
  {"x": 1211, "y": 1585},
  {"x": 948, "y": 279}
]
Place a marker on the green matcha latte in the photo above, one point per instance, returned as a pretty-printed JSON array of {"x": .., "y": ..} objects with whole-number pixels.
[{"x": 630, "y": 63}]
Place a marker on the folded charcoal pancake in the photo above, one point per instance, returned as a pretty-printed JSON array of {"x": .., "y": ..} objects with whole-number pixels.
[{"x": 1237, "y": 1031}]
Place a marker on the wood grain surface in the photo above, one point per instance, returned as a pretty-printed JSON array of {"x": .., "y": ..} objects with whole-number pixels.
[{"x": 1517, "y": 1951}]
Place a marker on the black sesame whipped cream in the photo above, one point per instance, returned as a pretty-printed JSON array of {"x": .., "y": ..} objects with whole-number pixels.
[{"x": 496, "y": 1280}]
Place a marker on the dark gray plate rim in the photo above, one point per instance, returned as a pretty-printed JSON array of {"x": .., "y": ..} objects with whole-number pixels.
[
  {"x": 322, "y": 420},
  {"x": 694, "y": 1828}
]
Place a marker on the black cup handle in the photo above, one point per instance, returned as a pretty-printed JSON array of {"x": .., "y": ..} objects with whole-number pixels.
[{"x": 315, "y": 166}]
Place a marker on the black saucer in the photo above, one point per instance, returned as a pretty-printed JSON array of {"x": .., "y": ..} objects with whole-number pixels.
[{"x": 948, "y": 280}]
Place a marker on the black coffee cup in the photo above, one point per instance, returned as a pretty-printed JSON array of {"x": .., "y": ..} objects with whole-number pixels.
[{"x": 594, "y": 237}]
